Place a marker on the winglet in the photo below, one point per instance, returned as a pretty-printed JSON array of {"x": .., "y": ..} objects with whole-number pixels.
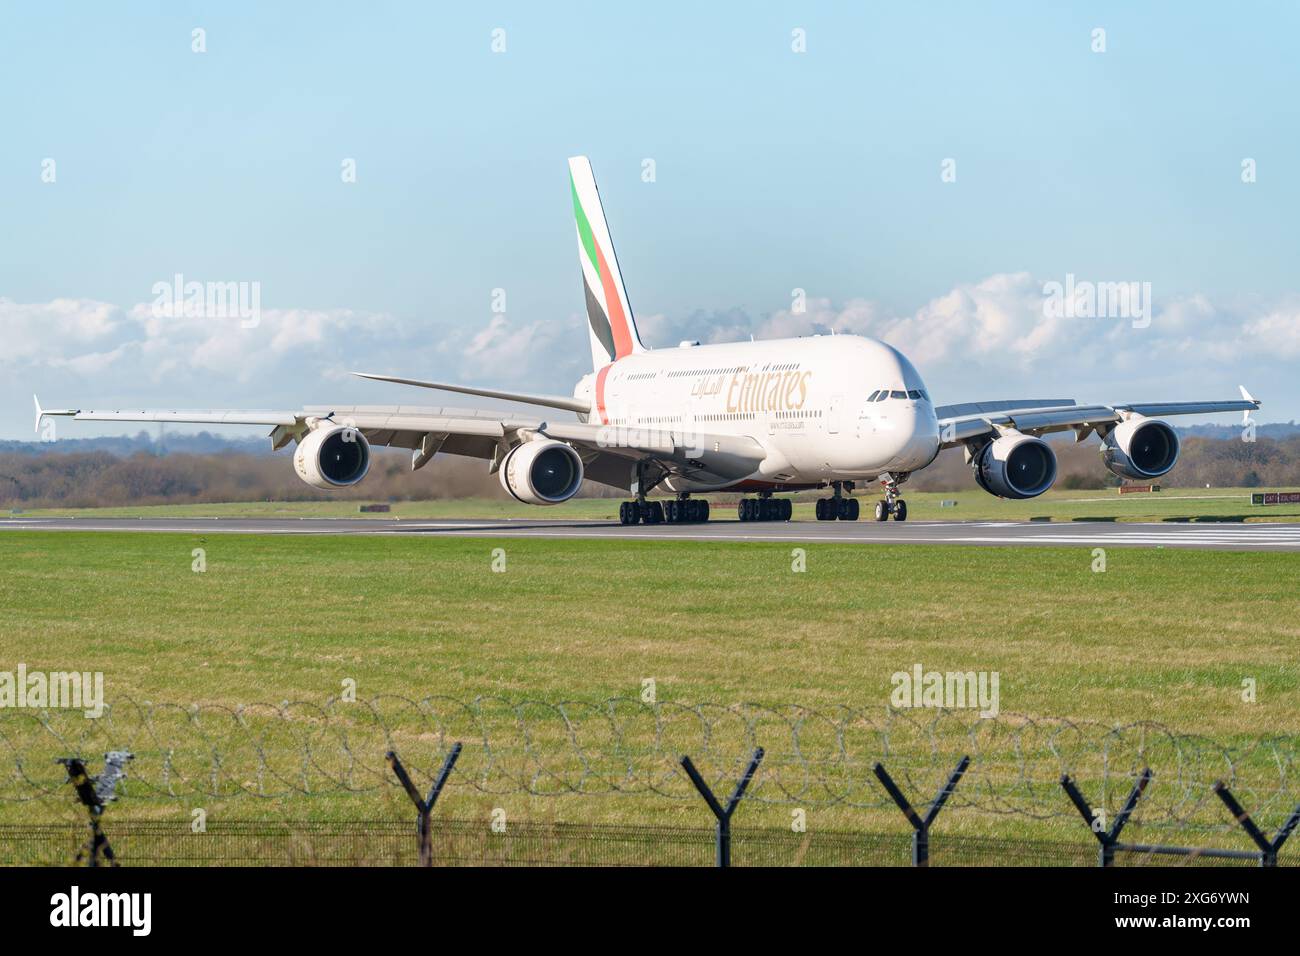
[
  {"x": 1245, "y": 415},
  {"x": 42, "y": 413}
]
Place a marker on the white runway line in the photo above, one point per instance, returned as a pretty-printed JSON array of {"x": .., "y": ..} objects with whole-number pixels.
[{"x": 1261, "y": 536}]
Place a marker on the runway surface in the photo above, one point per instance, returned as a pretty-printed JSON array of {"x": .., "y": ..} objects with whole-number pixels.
[{"x": 1200, "y": 535}]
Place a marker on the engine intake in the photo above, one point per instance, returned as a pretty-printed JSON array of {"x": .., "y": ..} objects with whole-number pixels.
[
  {"x": 1015, "y": 466},
  {"x": 332, "y": 457},
  {"x": 543, "y": 472},
  {"x": 1140, "y": 448}
]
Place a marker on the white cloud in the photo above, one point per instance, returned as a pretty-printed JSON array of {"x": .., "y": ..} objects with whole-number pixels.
[
  {"x": 33, "y": 331},
  {"x": 988, "y": 339}
]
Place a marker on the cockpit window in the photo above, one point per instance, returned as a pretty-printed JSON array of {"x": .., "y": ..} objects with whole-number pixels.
[
  {"x": 898, "y": 394},
  {"x": 914, "y": 394},
  {"x": 872, "y": 396},
  {"x": 882, "y": 395}
]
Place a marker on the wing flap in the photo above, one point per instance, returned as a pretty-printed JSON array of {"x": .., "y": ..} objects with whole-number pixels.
[
  {"x": 196, "y": 417},
  {"x": 1190, "y": 408}
]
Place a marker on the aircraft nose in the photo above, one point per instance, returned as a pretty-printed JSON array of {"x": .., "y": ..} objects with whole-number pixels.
[{"x": 916, "y": 439}]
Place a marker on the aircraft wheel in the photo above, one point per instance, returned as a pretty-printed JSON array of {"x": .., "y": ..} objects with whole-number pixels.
[
  {"x": 850, "y": 509},
  {"x": 704, "y": 511},
  {"x": 900, "y": 510},
  {"x": 882, "y": 510},
  {"x": 787, "y": 509}
]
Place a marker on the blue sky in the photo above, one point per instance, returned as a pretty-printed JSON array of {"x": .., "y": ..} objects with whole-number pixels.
[{"x": 775, "y": 170}]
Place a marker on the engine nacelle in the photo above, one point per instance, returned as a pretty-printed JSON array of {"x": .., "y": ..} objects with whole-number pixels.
[
  {"x": 544, "y": 472},
  {"x": 332, "y": 456},
  {"x": 1015, "y": 466},
  {"x": 1140, "y": 448}
]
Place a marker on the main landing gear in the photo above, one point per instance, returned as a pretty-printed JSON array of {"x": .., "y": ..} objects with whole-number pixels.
[
  {"x": 764, "y": 508},
  {"x": 679, "y": 510},
  {"x": 838, "y": 507},
  {"x": 891, "y": 504}
]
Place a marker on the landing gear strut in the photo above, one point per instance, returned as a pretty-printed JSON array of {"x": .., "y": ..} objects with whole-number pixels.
[
  {"x": 680, "y": 510},
  {"x": 891, "y": 504},
  {"x": 838, "y": 507},
  {"x": 764, "y": 508}
]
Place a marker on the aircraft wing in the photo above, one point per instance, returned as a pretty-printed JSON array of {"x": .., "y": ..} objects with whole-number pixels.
[
  {"x": 959, "y": 424},
  {"x": 608, "y": 452},
  {"x": 526, "y": 398}
]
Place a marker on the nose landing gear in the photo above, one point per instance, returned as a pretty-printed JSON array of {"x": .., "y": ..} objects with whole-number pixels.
[{"x": 891, "y": 504}]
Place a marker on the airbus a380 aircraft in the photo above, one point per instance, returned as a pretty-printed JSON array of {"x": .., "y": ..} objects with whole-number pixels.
[{"x": 782, "y": 415}]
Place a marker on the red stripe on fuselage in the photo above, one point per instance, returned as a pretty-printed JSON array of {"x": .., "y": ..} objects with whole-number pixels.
[
  {"x": 600, "y": 394},
  {"x": 614, "y": 307}
]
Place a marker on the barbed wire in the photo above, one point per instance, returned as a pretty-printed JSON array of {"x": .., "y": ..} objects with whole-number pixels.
[{"x": 814, "y": 757}]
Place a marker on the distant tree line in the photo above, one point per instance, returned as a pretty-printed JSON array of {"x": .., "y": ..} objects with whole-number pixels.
[{"x": 79, "y": 479}]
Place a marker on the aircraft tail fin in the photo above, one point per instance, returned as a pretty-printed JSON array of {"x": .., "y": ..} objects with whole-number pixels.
[{"x": 609, "y": 315}]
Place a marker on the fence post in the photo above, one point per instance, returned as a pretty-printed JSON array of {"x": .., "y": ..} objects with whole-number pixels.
[
  {"x": 1268, "y": 849},
  {"x": 424, "y": 808},
  {"x": 723, "y": 815},
  {"x": 95, "y": 793},
  {"x": 921, "y": 825},
  {"x": 1109, "y": 838}
]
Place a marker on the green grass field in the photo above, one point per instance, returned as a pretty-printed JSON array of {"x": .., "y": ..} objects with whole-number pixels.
[
  {"x": 1175, "y": 504},
  {"x": 1161, "y": 635}
]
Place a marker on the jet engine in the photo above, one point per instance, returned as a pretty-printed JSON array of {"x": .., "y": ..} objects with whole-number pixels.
[
  {"x": 543, "y": 472},
  {"x": 332, "y": 456},
  {"x": 1140, "y": 448},
  {"x": 1015, "y": 466}
]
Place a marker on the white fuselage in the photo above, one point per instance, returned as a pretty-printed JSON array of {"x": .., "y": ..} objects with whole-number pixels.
[{"x": 805, "y": 400}]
